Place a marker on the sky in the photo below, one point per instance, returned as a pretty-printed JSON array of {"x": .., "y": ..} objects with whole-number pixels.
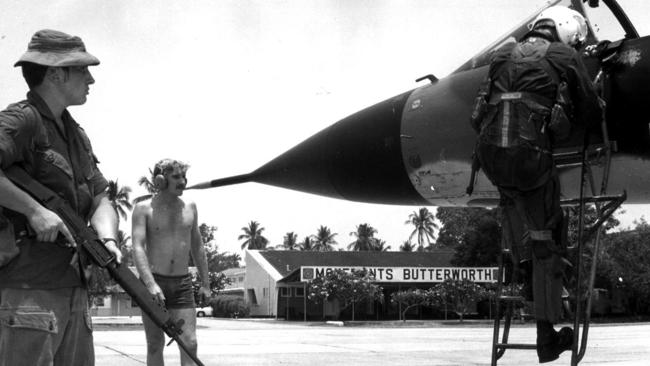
[{"x": 227, "y": 86}]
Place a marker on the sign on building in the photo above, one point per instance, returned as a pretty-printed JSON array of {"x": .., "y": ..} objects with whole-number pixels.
[{"x": 409, "y": 274}]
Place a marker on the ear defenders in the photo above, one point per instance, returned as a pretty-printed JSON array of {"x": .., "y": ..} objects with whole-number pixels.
[{"x": 159, "y": 180}]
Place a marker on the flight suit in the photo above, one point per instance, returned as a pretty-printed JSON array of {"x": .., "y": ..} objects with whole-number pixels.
[{"x": 536, "y": 92}]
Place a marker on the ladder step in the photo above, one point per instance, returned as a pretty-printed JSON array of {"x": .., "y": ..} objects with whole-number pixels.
[
  {"x": 594, "y": 199},
  {"x": 573, "y": 158},
  {"x": 516, "y": 346},
  {"x": 511, "y": 298},
  {"x": 593, "y": 151}
]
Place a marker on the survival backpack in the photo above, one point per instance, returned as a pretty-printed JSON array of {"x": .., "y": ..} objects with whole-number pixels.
[{"x": 510, "y": 119}]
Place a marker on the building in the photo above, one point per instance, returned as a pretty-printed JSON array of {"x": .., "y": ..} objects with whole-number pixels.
[
  {"x": 276, "y": 281},
  {"x": 236, "y": 277},
  {"x": 117, "y": 303}
]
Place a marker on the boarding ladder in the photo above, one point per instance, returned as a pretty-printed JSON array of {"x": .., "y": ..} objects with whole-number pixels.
[{"x": 508, "y": 297}]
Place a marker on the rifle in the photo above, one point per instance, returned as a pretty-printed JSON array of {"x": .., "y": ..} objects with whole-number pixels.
[{"x": 93, "y": 246}]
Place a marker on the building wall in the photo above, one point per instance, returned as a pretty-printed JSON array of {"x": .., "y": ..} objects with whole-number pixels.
[
  {"x": 115, "y": 305},
  {"x": 236, "y": 276},
  {"x": 260, "y": 292}
]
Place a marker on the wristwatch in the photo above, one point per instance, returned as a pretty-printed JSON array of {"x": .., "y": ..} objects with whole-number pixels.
[{"x": 106, "y": 240}]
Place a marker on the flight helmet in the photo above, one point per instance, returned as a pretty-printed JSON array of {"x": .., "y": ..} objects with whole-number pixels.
[{"x": 571, "y": 26}]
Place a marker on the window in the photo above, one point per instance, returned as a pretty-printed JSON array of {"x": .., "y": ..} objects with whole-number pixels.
[
  {"x": 251, "y": 296},
  {"x": 265, "y": 292},
  {"x": 285, "y": 291},
  {"x": 603, "y": 23},
  {"x": 300, "y": 292},
  {"x": 240, "y": 279}
]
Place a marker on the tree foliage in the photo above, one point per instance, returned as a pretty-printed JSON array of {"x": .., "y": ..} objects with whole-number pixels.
[
  {"x": 324, "y": 240},
  {"x": 414, "y": 297},
  {"x": 424, "y": 227},
  {"x": 289, "y": 242},
  {"x": 460, "y": 294},
  {"x": 380, "y": 246},
  {"x": 457, "y": 294},
  {"x": 100, "y": 284},
  {"x": 365, "y": 238},
  {"x": 348, "y": 288},
  {"x": 123, "y": 243},
  {"x": 590, "y": 214},
  {"x": 220, "y": 261},
  {"x": 148, "y": 185},
  {"x": 207, "y": 232},
  {"x": 480, "y": 245},
  {"x": 406, "y": 246},
  {"x": 625, "y": 263},
  {"x": 473, "y": 232},
  {"x": 253, "y": 238},
  {"x": 307, "y": 244},
  {"x": 218, "y": 281},
  {"x": 217, "y": 261},
  {"x": 119, "y": 198},
  {"x": 454, "y": 222}
]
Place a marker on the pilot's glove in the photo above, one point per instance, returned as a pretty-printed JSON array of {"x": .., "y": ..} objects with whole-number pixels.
[{"x": 596, "y": 50}]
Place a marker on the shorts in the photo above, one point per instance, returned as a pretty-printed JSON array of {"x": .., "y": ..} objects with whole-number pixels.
[{"x": 178, "y": 290}]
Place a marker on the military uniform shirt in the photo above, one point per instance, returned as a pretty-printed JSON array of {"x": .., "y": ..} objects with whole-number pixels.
[{"x": 63, "y": 161}]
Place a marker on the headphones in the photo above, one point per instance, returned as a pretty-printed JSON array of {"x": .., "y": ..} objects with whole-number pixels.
[{"x": 159, "y": 180}]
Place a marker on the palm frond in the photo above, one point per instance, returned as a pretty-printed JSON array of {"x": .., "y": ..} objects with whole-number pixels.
[{"x": 142, "y": 198}]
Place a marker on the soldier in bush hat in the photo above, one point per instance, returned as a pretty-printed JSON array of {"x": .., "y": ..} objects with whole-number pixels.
[{"x": 44, "y": 317}]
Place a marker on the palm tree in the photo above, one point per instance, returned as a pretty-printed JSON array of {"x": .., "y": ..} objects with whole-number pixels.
[
  {"x": 149, "y": 186},
  {"x": 424, "y": 223},
  {"x": 307, "y": 244},
  {"x": 324, "y": 239},
  {"x": 365, "y": 238},
  {"x": 119, "y": 197},
  {"x": 290, "y": 242},
  {"x": 253, "y": 236},
  {"x": 380, "y": 246},
  {"x": 127, "y": 250},
  {"x": 406, "y": 246}
]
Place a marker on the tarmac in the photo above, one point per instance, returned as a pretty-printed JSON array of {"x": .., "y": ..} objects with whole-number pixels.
[{"x": 120, "y": 340}]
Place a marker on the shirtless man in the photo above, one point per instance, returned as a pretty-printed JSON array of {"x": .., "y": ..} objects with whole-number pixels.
[{"x": 165, "y": 232}]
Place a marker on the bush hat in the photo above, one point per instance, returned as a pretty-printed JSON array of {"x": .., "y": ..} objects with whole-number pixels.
[{"x": 57, "y": 49}]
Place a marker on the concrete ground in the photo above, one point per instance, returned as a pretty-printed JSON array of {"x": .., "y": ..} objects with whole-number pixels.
[{"x": 121, "y": 342}]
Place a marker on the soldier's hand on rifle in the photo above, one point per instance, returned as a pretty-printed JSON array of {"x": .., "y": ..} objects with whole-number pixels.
[
  {"x": 48, "y": 225},
  {"x": 157, "y": 293},
  {"x": 111, "y": 245}
]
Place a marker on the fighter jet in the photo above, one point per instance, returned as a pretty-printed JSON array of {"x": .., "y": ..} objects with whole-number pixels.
[{"x": 416, "y": 147}]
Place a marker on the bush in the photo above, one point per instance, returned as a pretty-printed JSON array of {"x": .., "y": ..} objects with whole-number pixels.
[{"x": 229, "y": 306}]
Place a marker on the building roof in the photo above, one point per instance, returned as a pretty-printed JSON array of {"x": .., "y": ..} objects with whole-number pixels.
[
  {"x": 234, "y": 271},
  {"x": 289, "y": 261}
]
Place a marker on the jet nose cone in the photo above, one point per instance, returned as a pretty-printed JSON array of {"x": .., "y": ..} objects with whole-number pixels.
[{"x": 358, "y": 158}]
